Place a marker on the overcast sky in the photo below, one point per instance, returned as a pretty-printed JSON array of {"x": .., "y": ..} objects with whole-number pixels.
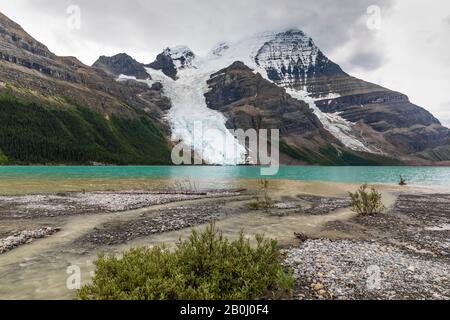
[{"x": 407, "y": 49}]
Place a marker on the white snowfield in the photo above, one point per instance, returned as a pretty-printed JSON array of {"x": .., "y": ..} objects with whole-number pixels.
[
  {"x": 333, "y": 122},
  {"x": 269, "y": 49}
]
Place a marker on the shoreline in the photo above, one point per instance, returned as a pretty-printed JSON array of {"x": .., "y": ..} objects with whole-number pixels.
[
  {"x": 113, "y": 221},
  {"x": 406, "y": 164}
]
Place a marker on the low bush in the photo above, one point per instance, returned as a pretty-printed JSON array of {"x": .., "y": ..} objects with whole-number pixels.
[
  {"x": 366, "y": 202},
  {"x": 206, "y": 266}
]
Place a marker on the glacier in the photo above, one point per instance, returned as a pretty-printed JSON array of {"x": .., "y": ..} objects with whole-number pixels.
[
  {"x": 186, "y": 93},
  {"x": 332, "y": 122}
]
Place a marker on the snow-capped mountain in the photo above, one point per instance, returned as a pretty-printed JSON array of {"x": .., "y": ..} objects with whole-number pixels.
[
  {"x": 182, "y": 57},
  {"x": 184, "y": 78},
  {"x": 290, "y": 56},
  {"x": 358, "y": 116}
]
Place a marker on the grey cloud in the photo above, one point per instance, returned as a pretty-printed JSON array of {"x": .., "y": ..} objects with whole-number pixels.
[
  {"x": 366, "y": 60},
  {"x": 447, "y": 21},
  {"x": 144, "y": 27}
]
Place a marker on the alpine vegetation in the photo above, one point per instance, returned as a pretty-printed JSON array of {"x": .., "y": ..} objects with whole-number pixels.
[
  {"x": 366, "y": 202},
  {"x": 205, "y": 266}
]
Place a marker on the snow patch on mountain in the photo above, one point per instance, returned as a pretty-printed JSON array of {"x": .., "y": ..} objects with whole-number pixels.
[
  {"x": 330, "y": 96},
  {"x": 333, "y": 122},
  {"x": 124, "y": 77}
]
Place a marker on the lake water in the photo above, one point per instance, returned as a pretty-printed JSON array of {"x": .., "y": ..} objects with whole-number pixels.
[{"x": 439, "y": 176}]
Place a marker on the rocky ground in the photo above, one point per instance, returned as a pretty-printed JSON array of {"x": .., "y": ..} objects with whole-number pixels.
[
  {"x": 401, "y": 254},
  {"x": 23, "y": 237},
  {"x": 76, "y": 203},
  {"x": 323, "y": 205},
  {"x": 350, "y": 269},
  {"x": 154, "y": 222},
  {"x": 309, "y": 205}
]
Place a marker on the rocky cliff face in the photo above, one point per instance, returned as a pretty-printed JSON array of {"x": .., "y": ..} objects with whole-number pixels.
[
  {"x": 121, "y": 64},
  {"x": 251, "y": 102}
]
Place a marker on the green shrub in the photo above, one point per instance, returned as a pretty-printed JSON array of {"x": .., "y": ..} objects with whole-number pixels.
[
  {"x": 366, "y": 202},
  {"x": 206, "y": 266}
]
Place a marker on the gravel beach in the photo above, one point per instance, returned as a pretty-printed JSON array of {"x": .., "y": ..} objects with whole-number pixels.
[
  {"x": 163, "y": 220},
  {"x": 77, "y": 203},
  {"x": 400, "y": 254},
  {"x": 23, "y": 237}
]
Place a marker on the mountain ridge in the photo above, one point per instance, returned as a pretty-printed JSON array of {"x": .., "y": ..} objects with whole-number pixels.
[{"x": 121, "y": 64}]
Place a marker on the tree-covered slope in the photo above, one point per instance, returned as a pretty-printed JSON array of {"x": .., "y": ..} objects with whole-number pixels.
[{"x": 33, "y": 132}]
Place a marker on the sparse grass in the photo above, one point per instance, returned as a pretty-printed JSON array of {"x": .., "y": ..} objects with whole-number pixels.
[
  {"x": 366, "y": 202},
  {"x": 262, "y": 199},
  {"x": 206, "y": 266},
  {"x": 186, "y": 186}
]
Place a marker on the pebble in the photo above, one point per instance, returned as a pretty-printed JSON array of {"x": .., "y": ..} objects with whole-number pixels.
[
  {"x": 355, "y": 269},
  {"x": 24, "y": 237},
  {"x": 167, "y": 219},
  {"x": 72, "y": 203},
  {"x": 317, "y": 286}
]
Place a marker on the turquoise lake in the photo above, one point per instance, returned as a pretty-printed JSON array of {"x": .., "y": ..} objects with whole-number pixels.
[{"x": 414, "y": 175}]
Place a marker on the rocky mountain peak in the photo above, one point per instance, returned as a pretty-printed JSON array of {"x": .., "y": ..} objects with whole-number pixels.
[
  {"x": 182, "y": 56},
  {"x": 121, "y": 64},
  {"x": 13, "y": 36},
  {"x": 173, "y": 59},
  {"x": 291, "y": 57}
]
